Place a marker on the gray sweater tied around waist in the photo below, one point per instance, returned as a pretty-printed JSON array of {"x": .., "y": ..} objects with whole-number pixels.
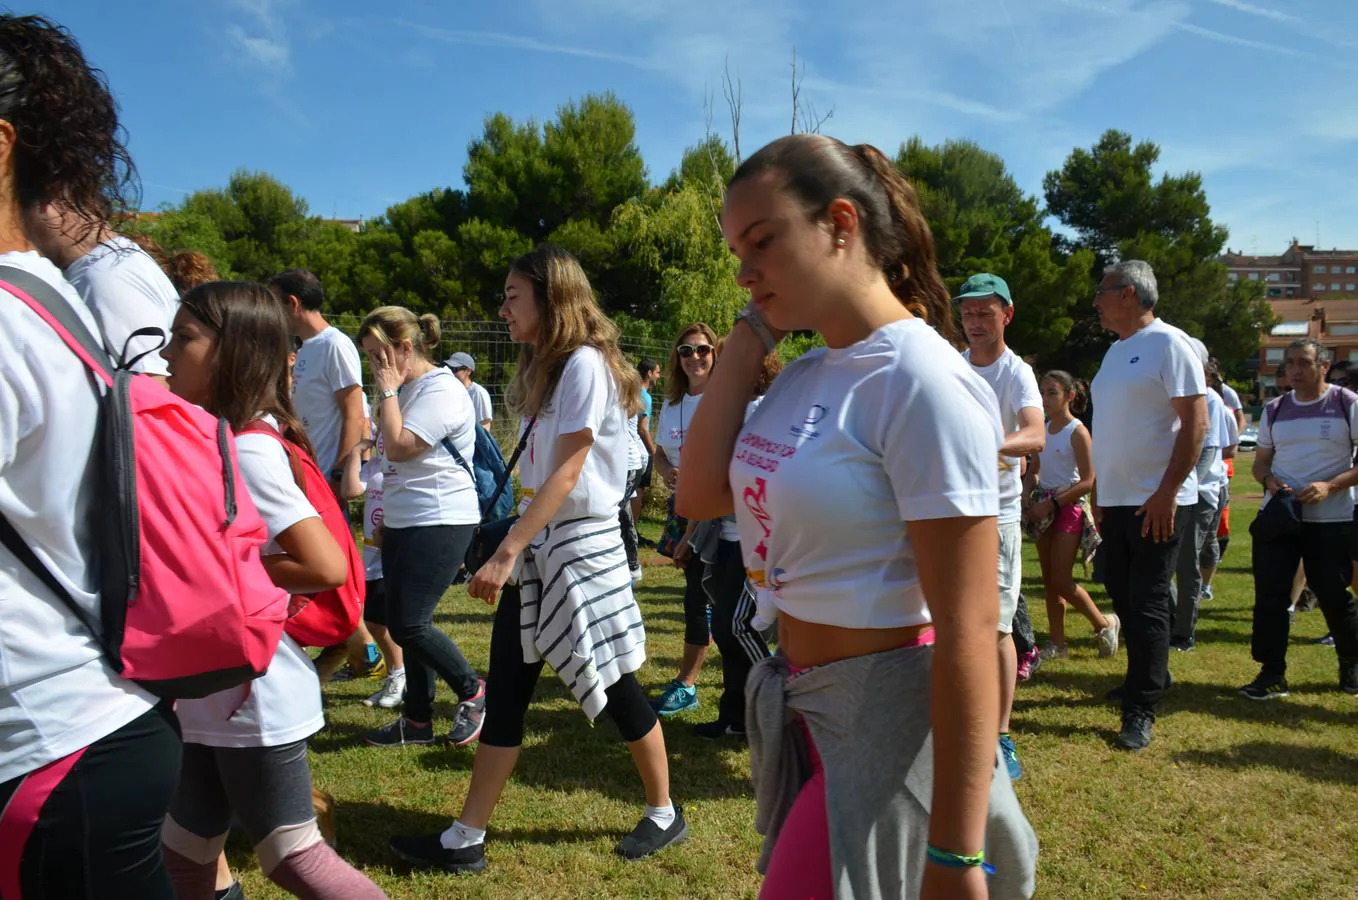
[{"x": 869, "y": 718}]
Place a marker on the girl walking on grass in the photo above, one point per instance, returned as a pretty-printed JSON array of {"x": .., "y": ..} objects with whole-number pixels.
[{"x": 1058, "y": 515}]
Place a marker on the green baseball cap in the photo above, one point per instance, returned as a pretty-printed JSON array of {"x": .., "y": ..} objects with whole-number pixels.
[{"x": 984, "y": 285}]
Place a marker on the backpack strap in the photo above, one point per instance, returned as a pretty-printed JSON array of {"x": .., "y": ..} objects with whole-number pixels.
[
  {"x": 15, "y": 543},
  {"x": 259, "y": 426},
  {"x": 48, "y": 303}
]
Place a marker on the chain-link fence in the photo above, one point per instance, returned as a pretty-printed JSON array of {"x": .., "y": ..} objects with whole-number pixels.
[{"x": 495, "y": 354}]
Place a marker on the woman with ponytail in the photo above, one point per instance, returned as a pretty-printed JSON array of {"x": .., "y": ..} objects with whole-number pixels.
[
  {"x": 430, "y": 513},
  {"x": 866, "y": 493},
  {"x": 1058, "y": 515}
]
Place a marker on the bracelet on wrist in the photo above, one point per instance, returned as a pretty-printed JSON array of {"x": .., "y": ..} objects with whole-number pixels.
[
  {"x": 755, "y": 319},
  {"x": 957, "y": 860}
]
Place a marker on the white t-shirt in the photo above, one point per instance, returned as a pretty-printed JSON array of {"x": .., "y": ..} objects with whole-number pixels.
[
  {"x": 284, "y": 704},
  {"x": 1015, "y": 387},
  {"x": 1211, "y": 469},
  {"x": 636, "y": 450},
  {"x": 847, "y": 446},
  {"x": 1231, "y": 398},
  {"x": 585, "y": 397},
  {"x": 432, "y": 488},
  {"x": 127, "y": 290},
  {"x": 674, "y": 422},
  {"x": 57, "y": 693},
  {"x": 370, "y": 473},
  {"x": 480, "y": 398},
  {"x": 1313, "y": 442},
  {"x": 1134, "y": 421},
  {"x": 326, "y": 363}
]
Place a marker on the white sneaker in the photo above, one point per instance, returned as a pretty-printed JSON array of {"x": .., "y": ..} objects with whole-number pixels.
[
  {"x": 637, "y": 575},
  {"x": 393, "y": 690},
  {"x": 1107, "y": 639}
]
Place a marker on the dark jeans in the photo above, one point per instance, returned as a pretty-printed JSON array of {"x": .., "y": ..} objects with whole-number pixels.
[
  {"x": 510, "y": 682},
  {"x": 629, "y": 528},
  {"x": 418, "y": 566},
  {"x": 740, "y": 645},
  {"x": 1137, "y": 573},
  {"x": 97, "y": 832},
  {"x": 1323, "y": 549}
]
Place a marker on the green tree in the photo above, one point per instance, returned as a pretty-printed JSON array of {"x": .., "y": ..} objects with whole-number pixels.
[
  {"x": 1108, "y": 197},
  {"x": 983, "y": 222}
]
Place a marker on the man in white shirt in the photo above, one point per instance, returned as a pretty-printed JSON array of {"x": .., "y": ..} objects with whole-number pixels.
[
  {"x": 119, "y": 281},
  {"x": 1305, "y": 456},
  {"x": 1150, "y": 418},
  {"x": 987, "y": 308},
  {"x": 327, "y": 379},
  {"x": 464, "y": 367}
]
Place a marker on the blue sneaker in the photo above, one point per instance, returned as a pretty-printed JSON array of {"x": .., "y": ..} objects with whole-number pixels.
[
  {"x": 1010, "y": 754},
  {"x": 677, "y": 697}
]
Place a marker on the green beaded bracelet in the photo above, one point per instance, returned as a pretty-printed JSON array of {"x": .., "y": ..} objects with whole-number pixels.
[{"x": 957, "y": 860}]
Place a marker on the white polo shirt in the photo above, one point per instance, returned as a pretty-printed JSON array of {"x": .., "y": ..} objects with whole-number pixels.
[{"x": 1135, "y": 424}]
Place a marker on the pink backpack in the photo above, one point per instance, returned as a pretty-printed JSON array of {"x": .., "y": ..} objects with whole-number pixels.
[{"x": 186, "y": 606}]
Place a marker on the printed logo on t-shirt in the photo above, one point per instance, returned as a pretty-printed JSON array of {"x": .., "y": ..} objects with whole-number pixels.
[
  {"x": 808, "y": 427},
  {"x": 755, "y": 499},
  {"x": 375, "y": 519},
  {"x": 1133, "y": 361}
]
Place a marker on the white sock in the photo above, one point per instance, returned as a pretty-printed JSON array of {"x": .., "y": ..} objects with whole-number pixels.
[
  {"x": 397, "y": 673},
  {"x": 661, "y": 815},
  {"x": 458, "y": 836}
]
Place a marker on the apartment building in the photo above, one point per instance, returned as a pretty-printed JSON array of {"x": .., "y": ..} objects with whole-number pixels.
[{"x": 1301, "y": 272}]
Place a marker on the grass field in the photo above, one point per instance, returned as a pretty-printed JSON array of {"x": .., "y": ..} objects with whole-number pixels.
[{"x": 1234, "y": 799}]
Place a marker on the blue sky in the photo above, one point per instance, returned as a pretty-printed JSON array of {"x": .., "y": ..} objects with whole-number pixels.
[{"x": 359, "y": 105}]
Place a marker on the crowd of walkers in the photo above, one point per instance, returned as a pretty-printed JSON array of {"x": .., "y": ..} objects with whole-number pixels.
[{"x": 849, "y": 528}]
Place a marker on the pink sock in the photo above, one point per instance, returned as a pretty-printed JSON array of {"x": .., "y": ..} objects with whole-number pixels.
[
  {"x": 192, "y": 881},
  {"x": 318, "y": 873}
]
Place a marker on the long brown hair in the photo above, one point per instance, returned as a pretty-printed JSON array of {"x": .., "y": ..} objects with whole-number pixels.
[
  {"x": 818, "y": 170},
  {"x": 676, "y": 379},
  {"x": 250, "y": 365},
  {"x": 569, "y": 318}
]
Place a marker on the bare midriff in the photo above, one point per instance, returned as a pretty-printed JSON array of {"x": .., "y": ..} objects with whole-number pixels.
[{"x": 808, "y": 644}]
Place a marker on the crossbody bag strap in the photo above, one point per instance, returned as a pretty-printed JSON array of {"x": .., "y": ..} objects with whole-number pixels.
[{"x": 503, "y": 482}]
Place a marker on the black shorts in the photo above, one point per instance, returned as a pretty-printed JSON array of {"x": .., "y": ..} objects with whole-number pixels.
[
  {"x": 375, "y": 603},
  {"x": 644, "y": 479}
]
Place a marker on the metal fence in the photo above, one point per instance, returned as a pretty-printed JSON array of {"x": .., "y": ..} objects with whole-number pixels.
[{"x": 495, "y": 354}]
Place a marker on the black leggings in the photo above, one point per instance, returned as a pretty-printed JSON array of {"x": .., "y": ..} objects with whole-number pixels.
[
  {"x": 697, "y": 628},
  {"x": 510, "y": 682},
  {"x": 732, "y": 630},
  {"x": 94, "y": 818},
  {"x": 418, "y": 565}
]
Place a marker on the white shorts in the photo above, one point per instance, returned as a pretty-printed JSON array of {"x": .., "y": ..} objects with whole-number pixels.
[{"x": 1011, "y": 573}]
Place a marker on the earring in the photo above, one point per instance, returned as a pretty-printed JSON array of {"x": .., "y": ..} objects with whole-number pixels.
[{"x": 839, "y": 242}]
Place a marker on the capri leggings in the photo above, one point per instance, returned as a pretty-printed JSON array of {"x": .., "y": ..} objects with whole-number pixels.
[
  {"x": 697, "y": 626},
  {"x": 510, "y": 682}
]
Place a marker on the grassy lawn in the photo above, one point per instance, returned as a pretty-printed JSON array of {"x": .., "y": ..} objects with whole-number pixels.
[{"x": 1234, "y": 799}]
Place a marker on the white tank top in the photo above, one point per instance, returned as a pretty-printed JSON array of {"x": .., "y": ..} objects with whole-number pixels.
[{"x": 1058, "y": 469}]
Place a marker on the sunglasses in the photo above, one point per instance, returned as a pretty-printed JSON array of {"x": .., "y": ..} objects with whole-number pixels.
[{"x": 703, "y": 351}]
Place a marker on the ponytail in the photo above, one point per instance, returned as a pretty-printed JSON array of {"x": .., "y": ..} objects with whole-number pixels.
[
  {"x": 432, "y": 331},
  {"x": 817, "y": 170},
  {"x": 1071, "y": 385}
]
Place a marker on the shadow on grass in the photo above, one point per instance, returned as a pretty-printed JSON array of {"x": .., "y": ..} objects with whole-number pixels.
[
  {"x": 1314, "y": 763},
  {"x": 575, "y": 756}
]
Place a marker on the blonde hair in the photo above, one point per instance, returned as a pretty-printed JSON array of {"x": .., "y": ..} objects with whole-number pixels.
[
  {"x": 570, "y": 318},
  {"x": 393, "y": 324},
  {"x": 676, "y": 379}
]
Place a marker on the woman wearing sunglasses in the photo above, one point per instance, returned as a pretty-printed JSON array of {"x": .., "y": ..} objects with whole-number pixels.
[{"x": 686, "y": 377}]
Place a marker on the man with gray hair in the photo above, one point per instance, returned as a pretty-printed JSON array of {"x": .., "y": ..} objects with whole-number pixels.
[{"x": 1150, "y": 418}]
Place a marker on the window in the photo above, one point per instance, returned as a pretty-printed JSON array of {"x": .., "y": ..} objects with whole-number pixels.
[
  {"x": 1320, "y": 287},
  {"x": 1351, "y": 286},
  {"x": 1290, "y": 329},
  {"x": 1232, "y": 276},
  {"x": 1350, "y": 270},
  {"x": 1273, "y": 276},
  {"x": 1346, "y": 328},
  {"x": 1275, "y": 292},
  {"x": 1334, "y": 285},
  {"x": 1273, "y": 355},
  {"x": 1318, "y": 270},
  {"x": 1254, "y": 276}
]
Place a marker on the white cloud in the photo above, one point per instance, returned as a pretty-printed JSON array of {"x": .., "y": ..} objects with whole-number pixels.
[
  {"x": 267, "y": 53},
  {"x": 263, "y": 41},
  {"x": 1252, "y": 10},
  {"x": 519, "y": 42}
]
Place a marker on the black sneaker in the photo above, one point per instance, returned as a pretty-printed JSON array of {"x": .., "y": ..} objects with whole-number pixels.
[
  {"x": 235, "y": 892},
  {"x": 648, "y": 837},
  {"x": 1265, "y": 687},
  {"x": 1348, "y": 676},
  {"x": 1136, "y": 731},
  {"x": 401, "y": 733},
  {"x": 1326, "y": 640},
  {"x": 1183, "y": 645},
  {"x": 424, "y": 851},
  {"x": 715, "y": 731},
  {"x": 468, "y": 718},
  {"x": 1115, "y": 695},
  {"x": 1307, "y": 601}
]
